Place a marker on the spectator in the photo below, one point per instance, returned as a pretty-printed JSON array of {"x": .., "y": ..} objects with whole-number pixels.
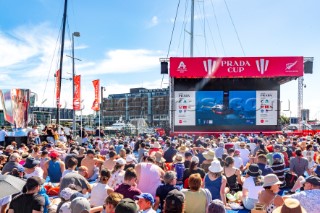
[
  {"x": 178, "y": 167},
  {"x": 278, "y": 167},
  {"x": 238, "y": 163},
  {"x": 111, "y": 162},
  {"x": 299, "y": 164},
  {"x": 80, "y": 205},
  {"x": 100, "y": 190},
  {"x": 187, "y": 159},
  {"x": 77, "y": 179},
  {"x": 170, "y": 153},
  {"x": 216, "y": 182},
  {"x": 262, "y": 164},
  {"x": 192, "y": 170},
  {"x": 269, "y": 196},
  {"x": 31, "y": 168},
  {"x": 126, "y": 205},
  {"x": 54, "y": 168},
  {"x": 174, "y": 202},
  {"x": 244, "y": 152},
  {"x": 145, "y": 203},
  {"x": 112, "y": 201},
  {"x": 195, "y": 193},
  {"x": 233, "y": 175},
  {"x": 13, "y": 162},
  {"x": 170, "y": 180},
  {"x": 92, "y": 164},
  {"x": 216, "y": 206},
  {"x": 117, "y": 174},
  {"x": 128, "y": 188},
  {"x": 291, "y": 205},
  {"x": 209, "y": 157},
  {"x": 71, "y": 166}
]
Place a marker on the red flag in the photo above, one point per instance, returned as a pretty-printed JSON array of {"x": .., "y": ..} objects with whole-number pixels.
[
  {"x": 77, "y": 93},
  {"x": 96, "y": 102},
  {"x": 58, "y": 87}
]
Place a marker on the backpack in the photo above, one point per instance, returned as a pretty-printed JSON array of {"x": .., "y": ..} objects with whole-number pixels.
[{"x": 179, "y": 169}]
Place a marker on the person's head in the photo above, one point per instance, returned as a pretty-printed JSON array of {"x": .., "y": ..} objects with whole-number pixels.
[
  {"x": 170, "y": 177},
  {"x": 120, "y": 163},
  {"x": 145, "y": 201},
  {"x": 272, "y": 182},
  {"x": 80, "y": 205},
  {"x": 215, "y": 168},
  {"x": 254, "y": 170},
  {"x": 188, "y": 156},
  {"x": 290, "y": 205},
  {"x": 54, "y": 155},
  {"x": 195, "y": 182},
  {"x": 112, "y": 154},
  {"x": 104, "y": 175},
  {"x": 312, "y": 182},
  {"x": 72, "y": 163},
  {"x": 15, "y": 157},
  {"x": 231, "y": 152},
  {"x": 216, "y": 206},
  {"x": 126, "y": 205},
  {"x": 299, "y": 152},
  {"x": 122, "y": 153},
  {"x": 83, "y": 170},
  {"x": 90, "y": 153},
  {"x": 112, "y": 201},
  {"x": 174, "y": 202},
  {"x": 130, "y": 176},
  {"x": 309, "y": 147},
  {"x": 262, "y": 159},
  {"x": 33, "y": 185},
  {"x": 229, "y": 162}
]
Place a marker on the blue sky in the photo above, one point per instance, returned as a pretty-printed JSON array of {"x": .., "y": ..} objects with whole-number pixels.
[{"x": 122, "y": 40}]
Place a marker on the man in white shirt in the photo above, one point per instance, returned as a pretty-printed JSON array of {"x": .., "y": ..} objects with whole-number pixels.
[
  {"x": 244, "y": 153},
  {"x": 35, "y": 134},
  {"x": 3, "y": 135}
]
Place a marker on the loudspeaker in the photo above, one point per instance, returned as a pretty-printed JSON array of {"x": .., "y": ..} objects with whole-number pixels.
[
  {"x": 308, "y": 67},
  {"x": 164, "y": 67}
]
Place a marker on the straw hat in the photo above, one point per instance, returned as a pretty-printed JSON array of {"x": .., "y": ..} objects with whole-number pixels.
[
  {"x": 178, "y": 158},
  {"x": 209, "y": 155},
  {"x": 183, "y": 148},
  {"x": 270, "y": 180},
  {"x": 159, "y": 158},
  {"x": 290, "y": 205},
  {"x": 215, "y": 166}
]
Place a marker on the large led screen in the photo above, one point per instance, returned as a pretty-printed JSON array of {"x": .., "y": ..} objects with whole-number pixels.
[{"x": 226, "y": 108}]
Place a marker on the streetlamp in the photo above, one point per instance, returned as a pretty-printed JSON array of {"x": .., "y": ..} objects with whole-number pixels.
[{"x": 75, "y": 34}]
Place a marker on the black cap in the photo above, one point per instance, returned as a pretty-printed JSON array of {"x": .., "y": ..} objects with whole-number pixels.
[
  {"x": 174, "y": 199},
  {"x": 126, "y": 206},
  {"x": 313, "y": 180},
  {"x": 33, "y": 182}
]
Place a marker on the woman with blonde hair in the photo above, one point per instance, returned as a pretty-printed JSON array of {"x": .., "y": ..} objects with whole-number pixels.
[{"x": 117, "y": 174}]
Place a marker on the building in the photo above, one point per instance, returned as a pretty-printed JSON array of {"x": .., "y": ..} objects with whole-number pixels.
[
  {"x": 305, "y": 114},
  {"x": 149, "y": 104},
  {"x": 47, "y": 115}
]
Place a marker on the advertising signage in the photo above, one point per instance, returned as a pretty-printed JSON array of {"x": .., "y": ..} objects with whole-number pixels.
[{"x": 236, "y": 67}]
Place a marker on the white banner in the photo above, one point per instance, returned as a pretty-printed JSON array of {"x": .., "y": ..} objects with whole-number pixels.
[
  {"x": 185, "y": 114},
  {"x": 267, "y": 107}
]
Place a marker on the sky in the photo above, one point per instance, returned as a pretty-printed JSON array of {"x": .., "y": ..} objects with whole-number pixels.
[{"x": 122, "y": 40}]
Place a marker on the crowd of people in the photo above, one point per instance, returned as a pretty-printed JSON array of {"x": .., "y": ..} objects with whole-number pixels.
[{"x": 148, "y": 173}]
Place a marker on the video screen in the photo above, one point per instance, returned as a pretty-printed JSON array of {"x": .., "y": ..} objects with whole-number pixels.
[{"x": 225, "y": 108}]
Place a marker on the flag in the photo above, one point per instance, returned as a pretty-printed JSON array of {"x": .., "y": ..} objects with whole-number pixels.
[
  {"x": 58, "y": 87},
  {"x": 77, "y": 93},
  {"x": 96, "y": 102}
]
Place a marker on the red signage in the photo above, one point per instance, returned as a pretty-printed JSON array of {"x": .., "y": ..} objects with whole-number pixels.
[
  {"x": 236, "y": 67},
  {"x": 96, "y": 102},
  {"x": 58, "y": 87},
  {"x": 77, "y": 93}
]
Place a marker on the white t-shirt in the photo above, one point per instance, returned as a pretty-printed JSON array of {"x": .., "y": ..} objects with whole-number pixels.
[
  {"x": 309, "y": 155},
  {"x": 244, "y": 154},
  {"x": 99, "y": 194},
  {"x": 238, "y": 162},
  {"x": 38, "y": 172},
  {"x": 5, "y": 200},
  {"x": 253, "y": 189}
]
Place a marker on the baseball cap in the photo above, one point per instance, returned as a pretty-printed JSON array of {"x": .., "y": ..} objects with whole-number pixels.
[
  {"x": 80, "y": 205},
  {"x": 173, "y": 200},
  {"x": 126, "y": 206},
  {"x": 195, "y": 159},
  {"x": 54, "y": 154},
  {"x": 313, "y": 180},
  {"x": 276, "y": 156},
  {"x": 146, "y": 196}
]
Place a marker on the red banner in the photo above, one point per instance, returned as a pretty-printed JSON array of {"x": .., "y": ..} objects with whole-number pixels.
[
  {"x": 77, "y": 93},
  {"x": 58, "y": 87},
  {"x": 96, "y": 102},
  {"x": 236, "y": 67}
]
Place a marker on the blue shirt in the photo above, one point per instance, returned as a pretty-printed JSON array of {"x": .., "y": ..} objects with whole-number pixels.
[{"x": 265, "y": 169}]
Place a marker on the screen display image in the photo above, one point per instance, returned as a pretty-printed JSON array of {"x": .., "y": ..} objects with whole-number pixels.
[{"x": 226, "y": 108}]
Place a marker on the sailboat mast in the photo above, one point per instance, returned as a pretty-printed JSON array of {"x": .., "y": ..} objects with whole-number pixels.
[
  {"x": 64, "y": 20},
  {"x": 191, "y": 30}
]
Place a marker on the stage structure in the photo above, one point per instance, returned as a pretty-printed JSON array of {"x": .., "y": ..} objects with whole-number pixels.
[{"x": 229, "y": 94}]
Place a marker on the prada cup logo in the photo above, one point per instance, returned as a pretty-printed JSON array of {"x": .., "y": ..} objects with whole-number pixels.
[
  {"x": 262, "y": 65},
  {"x": 209, "y": 66}
]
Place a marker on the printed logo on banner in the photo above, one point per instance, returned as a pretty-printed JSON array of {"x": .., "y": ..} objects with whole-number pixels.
[
  {"x": 182, "y": 68},
  {"x": 209, "y": 66},
  {"x": 262, "y": 65},
  {"x": 290, "y": 65}
]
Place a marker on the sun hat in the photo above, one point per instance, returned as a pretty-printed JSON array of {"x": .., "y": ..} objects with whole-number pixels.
[
  {"x": 156, "y": 145},
  {"x": 195, "y": 159},
  {"x": 146, "y": 196},
  {"x": 130, "y": 158},
  {"x": 254, "y": 170},
  {"x": 270, "y": 180},
  {"x": 66, "y": 193},
  {"x": 31, "y": 163},
  {"x": 159, "y": 158},
  {"x": 126, "y": 205},
  {"x": 209, "y": 155},
  {"x": 178, "y": 158},
  {"x": 183, "y": 148},
  {"x": 80, "y": 205},
  {"x": 290, "y": 205},
  {"x": 215, "y": 167},
  {"x": 121, "y": 161}
]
